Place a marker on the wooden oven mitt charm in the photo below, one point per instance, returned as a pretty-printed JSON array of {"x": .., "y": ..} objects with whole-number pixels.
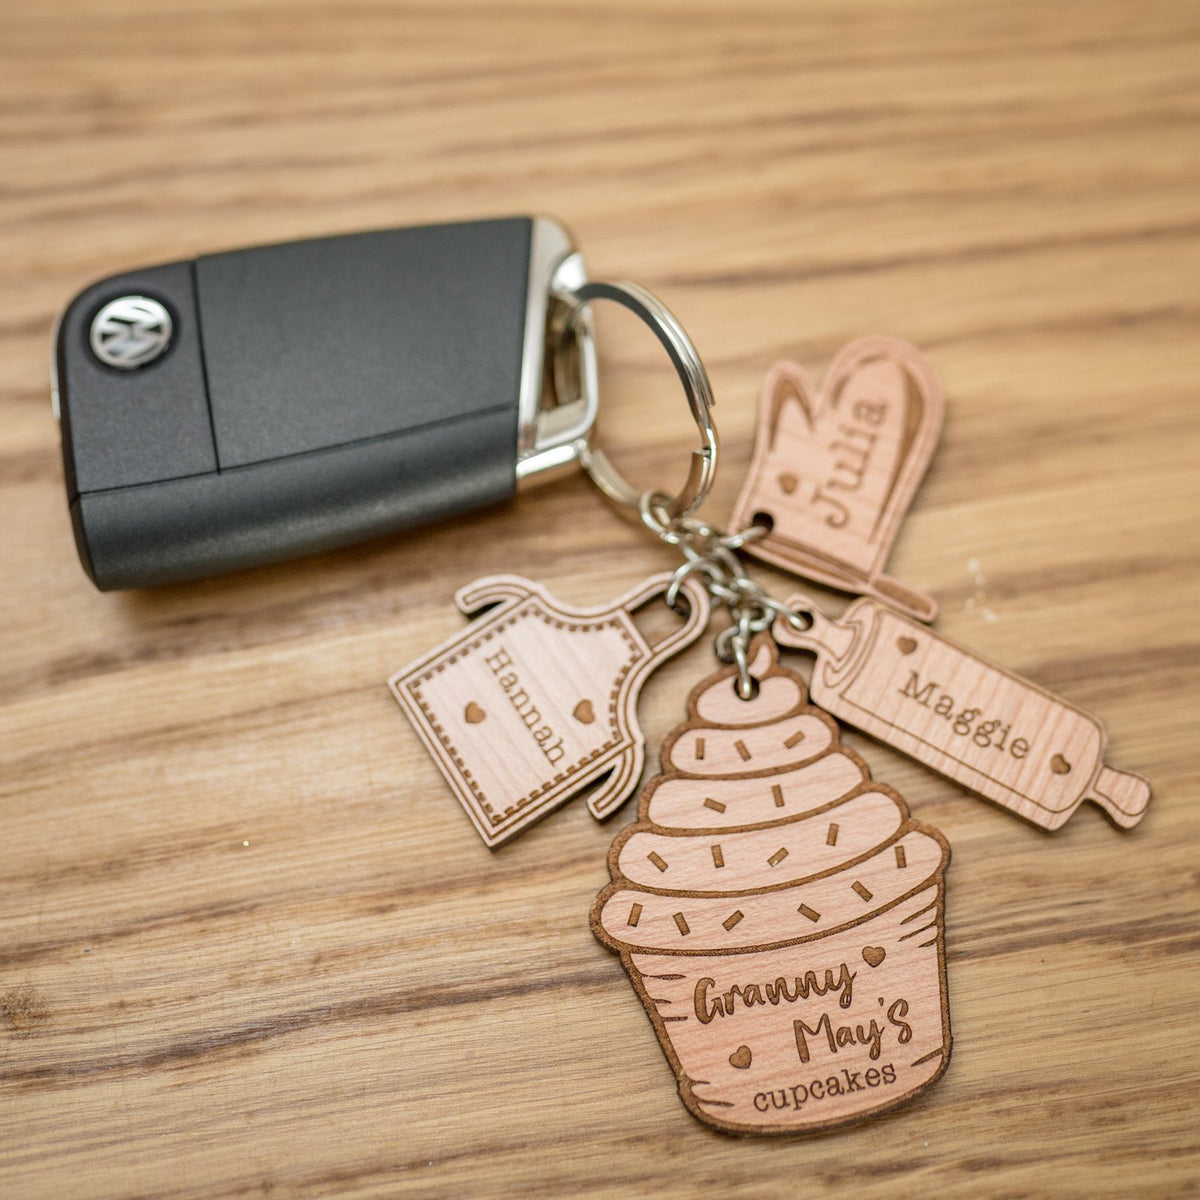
[
  {"x": 963, "y": 716},
  {"x": 834, "y": 472},
  {"x": 535, "y": 700},
  {"x": 780, "y": 916}
]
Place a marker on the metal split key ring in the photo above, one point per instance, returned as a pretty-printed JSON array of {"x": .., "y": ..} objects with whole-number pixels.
[
  {"x": 692, "y": 375},
  {"x": 706, "y": 549}
]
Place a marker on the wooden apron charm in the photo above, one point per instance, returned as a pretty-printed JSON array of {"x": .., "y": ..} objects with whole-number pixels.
[
  {"x": 535, "y": 700},
  {"x": 780, "y": 916},
  {"x": 965, "y": 717},
  {"x": 833, "y": 472}
]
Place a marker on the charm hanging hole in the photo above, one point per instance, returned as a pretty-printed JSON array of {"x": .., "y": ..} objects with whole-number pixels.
[
  {"x": 680, "y": 604},
  {"x": 655, "y": 622},
  {"x": 800, "y": 619}
]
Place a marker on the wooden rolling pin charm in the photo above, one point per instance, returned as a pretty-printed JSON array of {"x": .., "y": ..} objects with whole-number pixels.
[{"x": 965, "y": 717}]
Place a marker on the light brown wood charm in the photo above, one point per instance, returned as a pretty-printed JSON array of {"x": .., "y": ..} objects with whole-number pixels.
[
  {"x": 535, "y": 700},
  {"x": 780, "y": 916},
  {"x": 834, "y": 472},
  {"x": 967, "y": 718}
]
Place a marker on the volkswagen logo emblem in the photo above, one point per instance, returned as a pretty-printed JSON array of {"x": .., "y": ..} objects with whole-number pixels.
[{"x": 131, "y": 332}]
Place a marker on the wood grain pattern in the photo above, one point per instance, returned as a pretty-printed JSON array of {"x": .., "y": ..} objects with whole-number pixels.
[
  {"x": 835, "y": 470},
  {"x": 951, "y": 709},
  {"x": 245, "y": 946},
  {"x": 789, "y": 952}
]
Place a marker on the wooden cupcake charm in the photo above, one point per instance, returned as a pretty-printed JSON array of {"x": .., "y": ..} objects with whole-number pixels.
[
  {"x": 834, "y": 471},
  {"x": 780, "y": 916}
]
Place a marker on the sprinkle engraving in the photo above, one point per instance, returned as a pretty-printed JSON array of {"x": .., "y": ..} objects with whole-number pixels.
[
  {"x": 699, "y": 749},
  {"x": 810, "y": 913},
  {"x": 635, "y": 915},
  {"x": 795, "y": 739},
  {"x": 718, "y": 856},
  {"x": 740, "y": 747},
  {"x": 715, "y": 805},
  {"x": 862, "y": 890},
  {"x": 778, "y": 856},
  {"x": 831, "y": 836},
  {"x": 733, "y": 918},
  {"x": 657, "y": 859},
  {"x": 777, "y": 792},
  {"x": 681, "y": 921},
  {"x": 901, "y": 857}
]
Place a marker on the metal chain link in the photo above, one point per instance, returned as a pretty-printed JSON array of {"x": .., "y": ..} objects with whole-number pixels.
[{"x": 711, "y": 552}]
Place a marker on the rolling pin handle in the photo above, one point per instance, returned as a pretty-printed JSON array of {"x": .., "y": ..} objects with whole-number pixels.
[{"x": 1122, "y": 794}]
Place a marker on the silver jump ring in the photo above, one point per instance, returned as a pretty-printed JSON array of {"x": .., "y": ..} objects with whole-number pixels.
[
  {"x": 746, "y": 682},
  {"x": 682, "y": 572},
  {"x": 732, "y": 647},
  {"x": 655, "y": 518},
  {"x": 735, "y": 541},
  {"x": 683, "y": 355}
]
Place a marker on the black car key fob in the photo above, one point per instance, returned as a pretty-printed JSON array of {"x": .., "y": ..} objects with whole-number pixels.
[{"x": 255, "y": 405}]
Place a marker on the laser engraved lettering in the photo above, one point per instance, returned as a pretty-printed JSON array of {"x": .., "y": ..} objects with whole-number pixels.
[
  {"x": 778, "y": 991},
  {"x": 519, "y": 698},
  {"x": 962, "y": 721},
  {"x": 796, "y": 1095},
  {"x": 870, "y": 1036}
]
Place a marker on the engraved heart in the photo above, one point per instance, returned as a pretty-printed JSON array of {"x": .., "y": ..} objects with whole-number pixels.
[
  {"x": 873, "y": 955},
  {"x": 787, "y": 482},
  {"x": 474, "y": 713},
  {"x": 740, "y": 1058},
  {"x": 1059, "y": 765},
  {"x": 584, "y": 713},
  {"x": 906, "y": 645}
]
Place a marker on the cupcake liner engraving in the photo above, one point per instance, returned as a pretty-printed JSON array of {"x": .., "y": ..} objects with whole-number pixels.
[{"x": 789, "y": 956}]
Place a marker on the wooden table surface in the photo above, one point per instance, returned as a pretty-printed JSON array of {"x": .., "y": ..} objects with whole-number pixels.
[{"x": 249, "y": 944}]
